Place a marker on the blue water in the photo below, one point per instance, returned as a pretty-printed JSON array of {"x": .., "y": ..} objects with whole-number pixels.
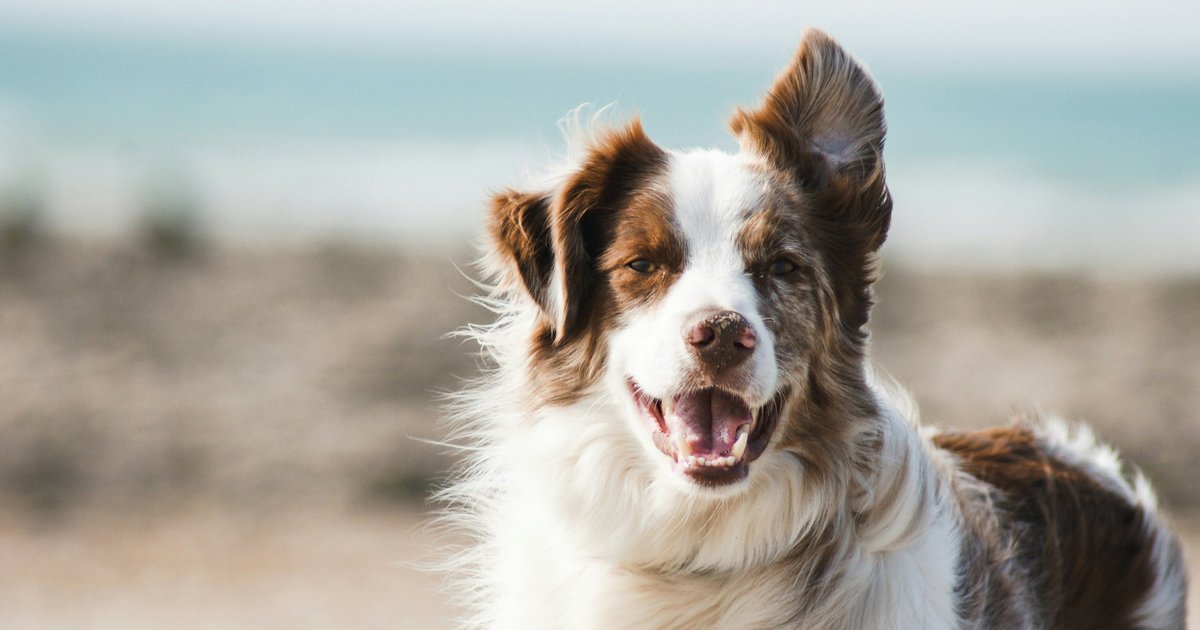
[{"x": 154, "y": 93}]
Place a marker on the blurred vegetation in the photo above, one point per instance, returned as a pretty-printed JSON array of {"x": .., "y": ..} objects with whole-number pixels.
[
  {"x": 260, "y": 379},
  {"x": 170, "y": 227},
  {"x": 45, "y": 475},
  {"x": 22, "y": 229}
]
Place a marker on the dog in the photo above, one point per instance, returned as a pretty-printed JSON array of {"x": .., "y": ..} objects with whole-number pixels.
[{"x": 680, "y": 429}]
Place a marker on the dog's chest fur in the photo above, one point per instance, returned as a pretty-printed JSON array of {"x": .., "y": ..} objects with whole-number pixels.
[{"x": 556, "y": 567}]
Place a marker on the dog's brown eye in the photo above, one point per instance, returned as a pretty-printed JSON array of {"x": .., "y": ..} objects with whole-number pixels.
[
  {"x": 782, "y": 267},
  {"x": 642, "y": 265}
]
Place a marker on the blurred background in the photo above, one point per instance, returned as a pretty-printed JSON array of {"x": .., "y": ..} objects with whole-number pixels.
[{"x": 231, "y": 236}]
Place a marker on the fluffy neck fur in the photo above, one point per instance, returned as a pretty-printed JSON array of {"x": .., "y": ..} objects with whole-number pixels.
[{"x": 568, "y": 518}]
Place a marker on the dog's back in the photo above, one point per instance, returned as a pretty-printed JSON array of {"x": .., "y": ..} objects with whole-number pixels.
[{"x": 1060, "y": 535}]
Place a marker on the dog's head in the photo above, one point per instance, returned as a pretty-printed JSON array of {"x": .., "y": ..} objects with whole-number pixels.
[{"x": 721, "y": 299}]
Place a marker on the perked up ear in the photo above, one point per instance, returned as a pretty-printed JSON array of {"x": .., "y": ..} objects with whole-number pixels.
[
  {"x": 823, "y": 122},
  {"x": 552, "y": 240}
]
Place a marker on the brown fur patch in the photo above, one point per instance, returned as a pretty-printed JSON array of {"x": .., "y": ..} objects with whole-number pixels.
[
  {"x": 647, "y": 232},
  {"x": 793, "y": 305},
  {"x": 586, "y": 215},
  {"x": 605, "y": 215},
  {"x": 520, "y": 231},
  {"x": 1089, "y": 558}
]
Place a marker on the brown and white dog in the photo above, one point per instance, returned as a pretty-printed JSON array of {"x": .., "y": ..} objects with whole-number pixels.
[{"x": 681, "y": 429}]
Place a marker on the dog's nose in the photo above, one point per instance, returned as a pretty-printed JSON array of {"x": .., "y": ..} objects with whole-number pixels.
[{"x": 722, "y": 339}]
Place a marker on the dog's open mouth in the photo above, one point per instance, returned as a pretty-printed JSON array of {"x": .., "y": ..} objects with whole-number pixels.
[{"x": 712, "y": 435}]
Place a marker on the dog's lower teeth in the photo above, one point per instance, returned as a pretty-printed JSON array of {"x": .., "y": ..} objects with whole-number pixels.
[
  {"x": 739, "y": 446},
  {"x": 692, "y": 461}
]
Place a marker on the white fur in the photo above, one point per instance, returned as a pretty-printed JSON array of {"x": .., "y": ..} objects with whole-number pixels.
[
  {"x": 1077, "y": 445},
  {"x": 1164, "y": 606},
  {"x": 585, "y": 546}
]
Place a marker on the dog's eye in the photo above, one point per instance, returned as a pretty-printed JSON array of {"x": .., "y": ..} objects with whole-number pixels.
[
  {"x": 782, "y": 267},
  {"x": 642, "y": 265}
]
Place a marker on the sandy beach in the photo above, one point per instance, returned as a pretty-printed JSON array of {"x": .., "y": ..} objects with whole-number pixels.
[{"x": 238, "y": 437}]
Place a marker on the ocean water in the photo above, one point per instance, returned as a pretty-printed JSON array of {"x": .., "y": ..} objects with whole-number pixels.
[{"x": 1000, "y": 165}]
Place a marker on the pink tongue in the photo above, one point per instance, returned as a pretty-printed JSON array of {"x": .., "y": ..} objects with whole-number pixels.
[{"x": 708, "y": 420}]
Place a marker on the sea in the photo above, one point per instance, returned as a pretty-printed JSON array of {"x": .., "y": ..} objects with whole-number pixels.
[{"x": 990, "y": 165}]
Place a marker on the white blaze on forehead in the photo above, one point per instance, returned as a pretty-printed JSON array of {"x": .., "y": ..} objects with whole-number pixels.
[{"x": 713, "y": 192}]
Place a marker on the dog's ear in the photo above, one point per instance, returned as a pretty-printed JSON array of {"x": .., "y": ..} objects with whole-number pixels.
[
  {"x": 553, "y": 240},
  {"x": 519, "y": 228},
  {"x": 822, "y": 122}
]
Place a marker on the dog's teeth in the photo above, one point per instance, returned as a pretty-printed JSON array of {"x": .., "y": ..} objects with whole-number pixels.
[
  {"x": 692, "y": 461},
  {"x": 667, "y": 407},
  {"x": 739, "y": 446}
]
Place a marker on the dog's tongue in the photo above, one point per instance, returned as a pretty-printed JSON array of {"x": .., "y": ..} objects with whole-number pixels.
[{"x": 706, "y": 422}]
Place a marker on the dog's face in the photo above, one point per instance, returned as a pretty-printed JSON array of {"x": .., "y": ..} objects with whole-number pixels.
[
  {"x": 713, "y": 281},
  {"x": 719, "y": 298}
]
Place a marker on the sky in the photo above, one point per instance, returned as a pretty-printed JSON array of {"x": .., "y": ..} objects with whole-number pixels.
[{"x": 1152, "y": 34}]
